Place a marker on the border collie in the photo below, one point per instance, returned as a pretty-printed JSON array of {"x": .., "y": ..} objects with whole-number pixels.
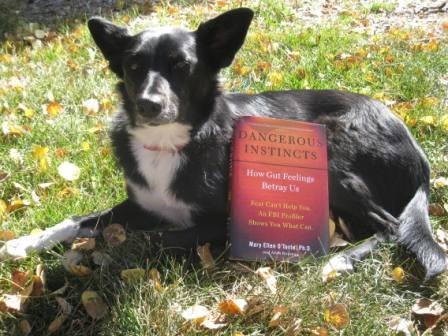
[{"x": 173, "y": 135}]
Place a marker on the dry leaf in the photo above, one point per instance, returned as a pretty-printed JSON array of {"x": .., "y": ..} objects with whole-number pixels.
[
  {"x": 440, "y": 182},
  {"x": 53, "y": 108},
  {"x": 337, "y": 316},
  {"x": 69, "y": 171},
  {"x": 19, "y": 279},
  {"x": 91, "y": 106},
  {"x": 101, "y": 259},
  {"x": 196, "y": 314},
  {"x": 16, "y": 302},
  {"x": 212, "y": 325},
  {"x": 155, "y": 277},
  {"x": 319, "y": 331},
  {"x": 233, "y": 306},
  {"x": 132, "y": 275},
  {"x": 398, "y": 275},
  {"x": 429, "y": 311},
  {"x": 71, "y": 260},
  {"x": 436, "y": 210},
  {"x": 39, "y": 281},
  {"x": 93, "y": 304},
  {"x": 332, "y": 227},
  {"x": 338, "y": 241},
  {"x": 17, "y": 204},
  {"x": 65, "y": 310},
  {"x": 267, "y": 275},
  {"x": 294, "y": 328},
  {"x": 114, "y": 235},
  {"x": 24, "y": 327},
  {"x": 400, "y": 326},
  {"x": 5, "y": 235},
  {"x": 83, "y": 244},
  {"x": 206, "y": 257},
  {"x": 277, "y": 315}
]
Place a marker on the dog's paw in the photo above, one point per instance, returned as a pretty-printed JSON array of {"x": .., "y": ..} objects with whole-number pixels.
[
  {"x": 18, "y": 248},
  {"x": 336, "y": 265}
]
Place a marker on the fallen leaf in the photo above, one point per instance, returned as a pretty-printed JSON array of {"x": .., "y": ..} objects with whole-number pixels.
[
  {"x": 24, "y": 327},
  {"x": 429, "y": 311},
  {"x": 41, "y": 154},
  {"x": 398, "y": 275},
  {"x": 277, "y": 315},
  {"x": 206, "y": 257},
  {"x": 196, "y": 314},
  {"x": 332, "y": 227},
  {"x": 17, "y": 204},
  {"x": 71, "y": 262},
  {"x": 39, "y": 281},
  {"x": 5, "y": 235},
  {"x": 65, "y": 310},
  {"x": 53, "y": 108},
  {"x": 267, "y": 275},
  {"x": 132, "y": 275},
  {"x": 155, "y": 277},
  {"x": 319, "y": 331},
  {"x": 436, "y": 210},
  {"x": 114, "y": 235},
  {"x": 400, "y": 326},
  {"x": 66, "y": 192},
  {"x": 83, "y": 244},
  {"x": 440, "y": 182},
  {"x": 19, "y": 279},
  {"x": 69, "y": 171},
  {"x": 17, "y": 303},
  {"x": 337, "y": 316},
  {"x": 91, "y": 106},
  {"x": 101, "y": 259},
  {"x": 338, "y": 241},
  {"x": 295, "y": 328},
  {"x": 93, "y": 304},
  {"x": 212, "y": 325},
  {"x": 233, "y": 306},
  {"x": 3, "y": 176},
  {"x": 11, "y": 130}
]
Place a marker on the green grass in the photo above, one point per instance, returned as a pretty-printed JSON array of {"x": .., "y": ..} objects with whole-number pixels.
[{"x": 401, "y": 67}]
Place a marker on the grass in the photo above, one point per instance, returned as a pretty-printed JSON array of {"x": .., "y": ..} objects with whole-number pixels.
[{"x": 403, "y": 68}]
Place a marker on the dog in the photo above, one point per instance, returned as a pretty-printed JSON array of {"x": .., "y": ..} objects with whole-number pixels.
[{"x": 173, "y": 134}]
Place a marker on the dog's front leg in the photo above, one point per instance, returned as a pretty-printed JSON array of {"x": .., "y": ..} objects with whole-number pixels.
[{"x": 126, "y": 213}]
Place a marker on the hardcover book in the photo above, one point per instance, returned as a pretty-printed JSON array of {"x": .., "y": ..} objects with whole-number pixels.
[{"x": 279, "y": 190}]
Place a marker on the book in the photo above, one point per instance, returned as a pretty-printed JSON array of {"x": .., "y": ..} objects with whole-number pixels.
[{"x": 279, "y": 203}]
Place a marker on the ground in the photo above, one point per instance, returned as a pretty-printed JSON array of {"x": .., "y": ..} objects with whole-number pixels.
[{"x": 393, "y": 51}]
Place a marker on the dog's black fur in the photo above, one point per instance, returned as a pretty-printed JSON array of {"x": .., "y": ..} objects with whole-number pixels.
[{"x": 378, "y": 175}]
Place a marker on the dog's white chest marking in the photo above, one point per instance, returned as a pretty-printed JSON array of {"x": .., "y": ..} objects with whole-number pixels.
[{"x": 159, "y": 168}]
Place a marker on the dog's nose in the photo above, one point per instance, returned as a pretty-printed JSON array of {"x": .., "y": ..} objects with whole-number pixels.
[{"x": 149, "y": 106}]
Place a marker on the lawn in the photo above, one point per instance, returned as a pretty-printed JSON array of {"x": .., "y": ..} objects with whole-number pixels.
[{"x": 45, "y": 81}]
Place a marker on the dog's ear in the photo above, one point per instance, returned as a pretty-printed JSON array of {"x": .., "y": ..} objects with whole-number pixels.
[
  {"x": 112, "y": 41},
  {"x": 220, "y": 38}
]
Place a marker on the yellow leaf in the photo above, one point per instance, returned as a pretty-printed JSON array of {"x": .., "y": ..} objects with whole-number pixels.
[
  {"x": 267, "y": 275},
  {"x": 71, "y": 261},
  {"x": 105, "y": 104},
  {"x": 155, "y": 277},
  {"x": 319, "y": 331},
  {"x": 5, "y": 235},
  {"x": 39, "y": 152},
  {"x": 71, "y": 64},
  {"x": 398, "y": 275},
  {"x": 93, "y": 304},
  {"x": 132, "y": 275},
  {"x": 69, "y": 171},
  {"x": 205, "y": 255},
  {"x": 114, "y": 235},
  {"x": 444, "y": 122},
  {"x": 11, "y": 130},
  {"x": 85, "y": 146},
  {"x": 337, "y": 316},
  {"x": 53, "y": 108},
  {"x": 332, "y": 227},
  {"x": 241, "y": 70},
  {"x": 233, "y": 306},
  {"x": 196, "y": 314},
  {"x": 275, "y": 78},
  {"x": 80, "y": 270},
  {"x": 83, "y": 244},
  {"x": 17, "y": 204},
  {"x": 66, "y": 192},
  {"x": 277, "y": 315},
  {"x": 428, "y": 120}
]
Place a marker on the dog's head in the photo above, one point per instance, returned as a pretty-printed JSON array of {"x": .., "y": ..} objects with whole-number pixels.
[{"x": 169, "y": 74}]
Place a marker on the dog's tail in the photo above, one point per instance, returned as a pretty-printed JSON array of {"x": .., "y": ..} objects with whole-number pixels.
[{"x": 415, "y": 234}]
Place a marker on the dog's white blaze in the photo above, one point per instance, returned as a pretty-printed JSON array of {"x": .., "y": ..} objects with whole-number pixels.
[
  {"x": 67, "y": 230},
  {"x": 159, "y": 168}
]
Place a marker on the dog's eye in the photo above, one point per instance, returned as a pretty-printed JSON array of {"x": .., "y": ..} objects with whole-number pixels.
[{"x": 134, "y": 66}]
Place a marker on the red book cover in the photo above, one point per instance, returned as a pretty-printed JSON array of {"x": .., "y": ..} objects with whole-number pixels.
[{"x": 279, "y": 190}]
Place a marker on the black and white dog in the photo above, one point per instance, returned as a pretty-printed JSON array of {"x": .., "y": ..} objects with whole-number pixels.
[{"x": 173, "y": 135}]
